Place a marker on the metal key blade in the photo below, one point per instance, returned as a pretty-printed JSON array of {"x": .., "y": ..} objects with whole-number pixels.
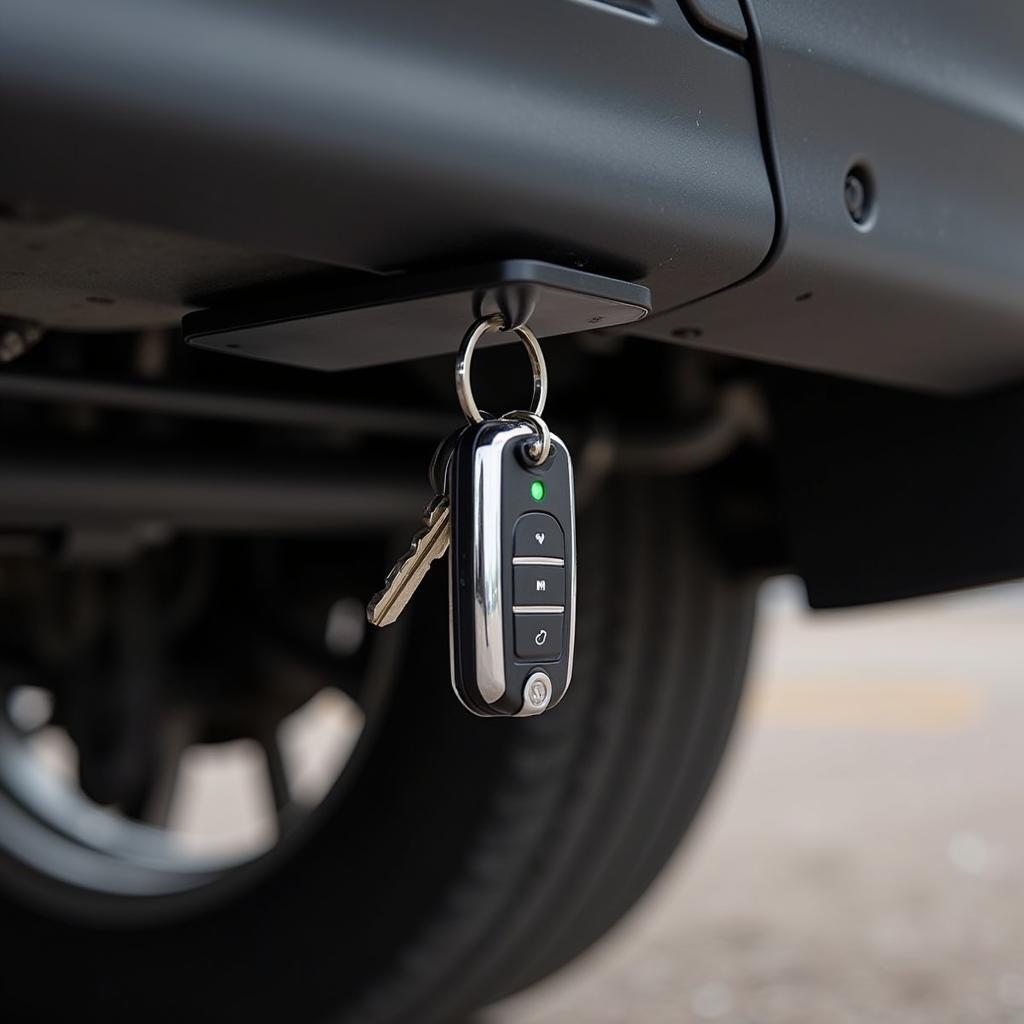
[{"x": 428, "y": 545}]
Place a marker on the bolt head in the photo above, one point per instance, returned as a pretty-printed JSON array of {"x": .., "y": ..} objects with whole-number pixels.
[{"x": 855, "y": 196}]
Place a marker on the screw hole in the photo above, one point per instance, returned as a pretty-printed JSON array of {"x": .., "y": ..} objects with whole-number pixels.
[
  {"x": 232, "y": 344},
  {"x": 859, "y": 196},
  {"x": 804, "y": 296},
  {"x": 687, "y": 332},
  {"x": 99, "y": 300}
]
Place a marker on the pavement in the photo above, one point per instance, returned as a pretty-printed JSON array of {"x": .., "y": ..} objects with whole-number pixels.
[{"x": 861, "y": 858}]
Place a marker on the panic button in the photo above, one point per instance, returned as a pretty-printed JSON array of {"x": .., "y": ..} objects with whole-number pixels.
[
  {"x": 538, "y": 636},
  {"x": 538, "y": 535}
]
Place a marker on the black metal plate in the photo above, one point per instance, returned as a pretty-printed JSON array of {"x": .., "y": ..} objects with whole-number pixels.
[{"x": 411, "y": 316}]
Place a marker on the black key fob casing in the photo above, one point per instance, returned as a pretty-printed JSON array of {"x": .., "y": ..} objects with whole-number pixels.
[{"x": 513, "y": 571}]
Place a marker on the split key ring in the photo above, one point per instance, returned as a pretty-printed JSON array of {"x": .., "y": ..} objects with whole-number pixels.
[{"x": 463, "y": 361}]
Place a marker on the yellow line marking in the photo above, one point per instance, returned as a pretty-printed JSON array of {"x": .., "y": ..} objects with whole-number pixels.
[{"x": 896, "y": 705}]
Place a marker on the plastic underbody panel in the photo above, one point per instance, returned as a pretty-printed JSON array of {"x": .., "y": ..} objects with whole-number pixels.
[
  {"x": 929, "y": 95},
  {"x": 167, "y": 156},
  {"x": 393, "y": 136}
]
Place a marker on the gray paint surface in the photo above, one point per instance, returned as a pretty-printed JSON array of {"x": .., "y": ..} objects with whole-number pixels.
[
  {"x": 389, "y": 136},
  {"x": 930, "y": 95}
]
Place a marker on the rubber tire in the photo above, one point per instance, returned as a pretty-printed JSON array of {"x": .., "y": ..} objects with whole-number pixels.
[{"x": 471, "y": 857}]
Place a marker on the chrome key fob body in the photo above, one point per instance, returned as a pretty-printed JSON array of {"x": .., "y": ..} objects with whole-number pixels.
[{"x": 513, "y": 571}]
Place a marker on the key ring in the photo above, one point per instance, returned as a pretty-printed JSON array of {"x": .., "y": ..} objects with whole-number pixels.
[
  {"x": 537, "y": 451},
  {"x": 463, "y": 388}
]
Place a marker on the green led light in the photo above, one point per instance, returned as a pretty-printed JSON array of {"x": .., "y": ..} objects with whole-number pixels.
[{"x": 537, "y": 490}]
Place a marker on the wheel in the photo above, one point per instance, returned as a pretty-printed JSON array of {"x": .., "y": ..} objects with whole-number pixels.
[{"x": 456, "y": 859}]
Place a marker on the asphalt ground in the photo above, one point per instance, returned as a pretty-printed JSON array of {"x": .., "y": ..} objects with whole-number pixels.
[{"x": 861, "y": 858}]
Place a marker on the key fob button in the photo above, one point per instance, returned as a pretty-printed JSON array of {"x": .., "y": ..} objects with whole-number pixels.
[
  {"x": 538, "y": 585},
  {"x": 538, "y": 535},
  {"x": 538, "y": 636}
]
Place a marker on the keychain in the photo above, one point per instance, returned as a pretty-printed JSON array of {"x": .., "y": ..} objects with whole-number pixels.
[{"x": 503, "y": 508}]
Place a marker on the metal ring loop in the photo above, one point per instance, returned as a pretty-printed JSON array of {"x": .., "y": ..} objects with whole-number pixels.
[
  {"x": 485, "y": 325},
  {"x": 539, "y": 450}
]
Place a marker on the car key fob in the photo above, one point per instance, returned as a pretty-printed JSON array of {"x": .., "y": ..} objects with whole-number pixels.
[{"x": 513, "y": 570}]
